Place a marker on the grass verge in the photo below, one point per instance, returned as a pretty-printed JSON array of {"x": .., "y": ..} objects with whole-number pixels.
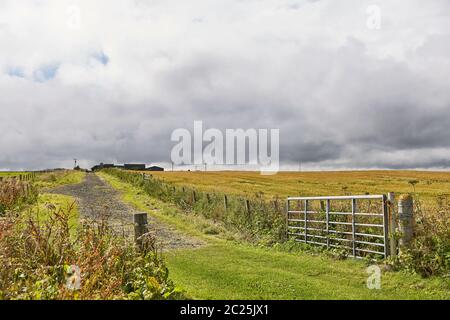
[{"x": 58, "y": 178}]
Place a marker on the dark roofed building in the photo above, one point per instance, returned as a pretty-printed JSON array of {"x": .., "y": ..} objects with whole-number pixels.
[
  {"x": 155, "y": 168},
  {"x": 127, "y": 166},
  {"x": 133, "y": 166}
]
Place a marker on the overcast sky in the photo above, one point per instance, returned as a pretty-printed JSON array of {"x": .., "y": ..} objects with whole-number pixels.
[{"x": 112, "y": 85}]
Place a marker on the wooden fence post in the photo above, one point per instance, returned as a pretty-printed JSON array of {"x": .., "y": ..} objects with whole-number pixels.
[
  {"x": 194, "y": 197},
  {"x": 225, "y": 202},
  {"x": 322, "y": 206},
  {"x": 140, "y": 228},
  {"x": 275, "y": 204},
  {"x": 392, "y": 223},
  {"x": 406, "y": 220},
  {"x": 208, "y": 198},
  {"x": 247, "y": 207}
]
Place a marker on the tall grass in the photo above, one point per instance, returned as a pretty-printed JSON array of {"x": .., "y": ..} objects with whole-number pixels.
[
  {"x": 429, "y": 253},
  {"x": 49, "y": 260},
  {"x": 14, "y": 193}
]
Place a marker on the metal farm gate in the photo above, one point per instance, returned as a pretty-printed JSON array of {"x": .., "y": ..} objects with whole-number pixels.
[{"x": 356, "y": 224}]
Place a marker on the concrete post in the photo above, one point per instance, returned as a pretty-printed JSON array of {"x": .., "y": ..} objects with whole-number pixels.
[
  {"x": 392, "y": 224},
  {"x": 406, "y": 220}
]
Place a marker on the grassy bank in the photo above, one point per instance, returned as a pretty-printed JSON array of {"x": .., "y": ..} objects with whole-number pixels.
[{"x": 225, "y": 269}]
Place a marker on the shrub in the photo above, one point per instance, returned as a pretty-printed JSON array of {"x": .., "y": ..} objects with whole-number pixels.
[{"x": 46, "y": 259}]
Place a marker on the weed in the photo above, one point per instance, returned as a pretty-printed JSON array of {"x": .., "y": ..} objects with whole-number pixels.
[{"x": 41, "y": 257}]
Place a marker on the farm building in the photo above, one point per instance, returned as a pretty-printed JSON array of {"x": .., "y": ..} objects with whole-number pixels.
[
  {"x": 127, "y": 166},
  {"x": 155, "y": 168}
]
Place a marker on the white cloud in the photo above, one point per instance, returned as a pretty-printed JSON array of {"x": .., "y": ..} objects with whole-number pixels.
[{"x": 114, "y": 88}]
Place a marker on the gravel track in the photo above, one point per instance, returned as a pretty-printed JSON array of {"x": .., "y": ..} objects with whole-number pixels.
[{"x": 97, "y": 198}]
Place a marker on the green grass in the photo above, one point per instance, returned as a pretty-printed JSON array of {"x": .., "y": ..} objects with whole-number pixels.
[
  {"x": 232, "y": 271},
  {"x": 47, "y": 202},
  {"x": 224, "y": 269},
  {"x": 12, "y": 173},
  {"x": 59, "y": 178},
  {"x": 58, "y": 202}
]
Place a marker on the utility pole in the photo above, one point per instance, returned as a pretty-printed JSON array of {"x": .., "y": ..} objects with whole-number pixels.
[
  {"x": 75, "y": 162},
  {"x": 172, "y": 166}
]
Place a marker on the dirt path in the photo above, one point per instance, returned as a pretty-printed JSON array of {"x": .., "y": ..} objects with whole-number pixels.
[{"x": 96, "y": 198}]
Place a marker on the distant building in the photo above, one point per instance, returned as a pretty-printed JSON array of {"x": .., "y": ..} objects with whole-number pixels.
[
  {"x": 155, "y": 168},
  {"x": 127, "y": 166}
]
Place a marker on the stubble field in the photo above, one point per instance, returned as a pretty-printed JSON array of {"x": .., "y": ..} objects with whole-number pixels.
[{"x": 429, "y": 186}]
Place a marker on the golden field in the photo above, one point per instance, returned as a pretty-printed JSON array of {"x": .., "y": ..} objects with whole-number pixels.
[{"x": 428, "y": 185}]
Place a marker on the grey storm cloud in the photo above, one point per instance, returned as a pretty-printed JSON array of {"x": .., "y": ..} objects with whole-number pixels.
[{"x": 114, "y": 87}]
